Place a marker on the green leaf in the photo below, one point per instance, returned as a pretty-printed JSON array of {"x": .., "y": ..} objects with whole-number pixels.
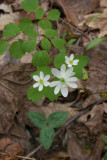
[
  {"x": 57, "y": 118},
  {"x": 29, "y": 5},
  {"x": 45, "y": 24},
  {"x": 10, "y": 30},
  {"x": 78, "y": 72},
  {"x": 53, "y": 15},
  {"x": 95, "y": 42},
  {"x": 46, "y": 70},
  {"x": 29, "y": 45},
  {"x": 27, "y": 27},
  {"x": 49, "y": 93},
  {"x": 104, "y": 138},
  {"x": 45, "y": 44},
  {"x": 83, "y": 60},
  {"x": 85, "y": 74},
  {"x": 58, "y": 43},
  {"x": 47, "y": 136},
  {"x": 34, "y": 95},
  {"x": 41, "y": 58},
  {"x": 63, "y": 50},
  {"x": 63, "y": 35},
  {"x": 38, "y": 119},
  {"x": 59, "y": 60},
  {"x": 105, "y": 156},
  {"x": 71, "y": 41},
  {"x": 16, "y": 49},
  {"x": 105, "y": 147},
  {"x": 39, "y": 13},
  {"x": 51, "y": 33},
  {"x": 3, "y": 46},
  {"x": 96, "y": 16}
]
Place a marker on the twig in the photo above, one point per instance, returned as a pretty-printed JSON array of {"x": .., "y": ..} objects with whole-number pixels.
[
  {"x": 8, "y": 154},
  {"x": 70, "y": 25},
  {"x": 8, "y": 88},
  {"x": 68, "y": 123}
]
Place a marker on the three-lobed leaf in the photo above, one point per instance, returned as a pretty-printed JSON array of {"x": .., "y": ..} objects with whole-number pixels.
[
  {"x": 53, "y": 15},
  {"x": 29, "y": 45},
  {"x": 39, "y": 13},
  {"x": 47, "y": 136},
  {"x": 41, "y": 58},
  {"x": 27, "y": 27},
  {"x": 51, "y": 33},
  {"x": 45, "y": 44},
  {"x": 16, "y": 49},
  {"x": 3, "y": 46},
  {"x": 45, "y": 24},
  {"x": 10, "y": 30},
  {"x": 38, "y": 119},
  {"x": 95, "y": 42},
  {"x": 30, "y": 5},
  {"x": 57, "y": 118},
  {"x": 58, "y": 43}
]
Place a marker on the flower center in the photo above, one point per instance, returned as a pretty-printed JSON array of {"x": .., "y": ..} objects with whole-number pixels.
[
  {"x": 41, "y": 81},
  {"x": 62, "y": 80},
  {"x": 70, "y": 61}
]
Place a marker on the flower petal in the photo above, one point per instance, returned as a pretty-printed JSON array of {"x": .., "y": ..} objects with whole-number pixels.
[
  {"x": 73, "y": 79},
  {"x": 69, "y": 72},
  {"x": 36, "y": 85},
  {"x": 64, "y": 91},
  {"x": 75, "y": 62},
  {"x": 41, "y": 75},
  {"x": 71, "y": 57},
  {"x": 46, "y": 83},
  {"x": 63, "y": 70},
  {"x": 40, "y": 87},
  {"x": 56, "y": 72},
  {"x": 66, "y": 59},
  {"x": 57, "y": 89},
  {"x": 72, "y": 84},
  {"x": 36, "y": 78},
  {"x": 54, "y": 83},
  {"x": 46, "y": 77},
  {"x": 69, "y": 65}
]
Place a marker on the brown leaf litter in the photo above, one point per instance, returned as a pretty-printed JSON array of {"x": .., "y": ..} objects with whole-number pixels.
[
  {"x": 7, "y": 146},
  {"x": 77, "y": 151},
  {"x": 98, "y": 23},
  {"x": 75, "y": 11}
]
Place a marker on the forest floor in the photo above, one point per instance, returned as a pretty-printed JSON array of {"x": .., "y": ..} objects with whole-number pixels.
[{"x": 80, "y": 137}]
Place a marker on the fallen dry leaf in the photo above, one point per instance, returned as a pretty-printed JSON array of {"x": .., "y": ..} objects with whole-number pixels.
[
  {"x": 12, "y": 148},
  {"x": 77, "y": 152},
  {"x": 7, "y": 17},
  {"x": 94, "y": 118},
  {"x": 98, "y": 23},
  {"x": 75, "y": 148},
  {"x": 75, "y": 11}
]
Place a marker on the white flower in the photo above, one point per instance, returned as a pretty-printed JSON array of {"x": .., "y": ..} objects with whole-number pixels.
[
  {"x": 65, "y": 80},
  {"x": 41, "y": 81},
  {"x": 69, "y": 60}
]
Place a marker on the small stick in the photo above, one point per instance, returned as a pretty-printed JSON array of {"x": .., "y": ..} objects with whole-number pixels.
[{"x": 8, "y": 154}]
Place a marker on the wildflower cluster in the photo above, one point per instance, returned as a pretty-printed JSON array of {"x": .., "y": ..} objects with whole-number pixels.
[{"x": 64, "y": 77}]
